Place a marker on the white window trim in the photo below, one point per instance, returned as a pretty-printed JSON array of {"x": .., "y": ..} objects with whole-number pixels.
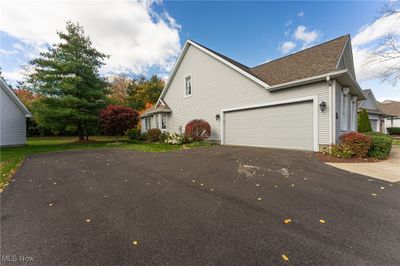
[
  {"x": 313, "y": 98},
  {"x": 156, "y": 121},
  {"x": 165, "y": 120},
  {"x": 191, "y": 86},
  {"x": 147, "y": 125}
]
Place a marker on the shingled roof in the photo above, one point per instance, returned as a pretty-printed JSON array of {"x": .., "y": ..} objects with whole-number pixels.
[
  {"x": 313, "y": 61},
  {"x": 390, "y": 108}
]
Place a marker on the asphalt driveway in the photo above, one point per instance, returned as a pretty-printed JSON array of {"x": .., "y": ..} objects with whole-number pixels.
[{"x": 206, "y": 206}]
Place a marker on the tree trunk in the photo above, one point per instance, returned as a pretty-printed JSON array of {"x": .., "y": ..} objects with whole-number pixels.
[
  {"x": 86, "y": 132},
  {"x": 80, "y": 131}
]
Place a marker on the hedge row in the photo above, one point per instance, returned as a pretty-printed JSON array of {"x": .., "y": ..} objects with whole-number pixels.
[{"x": 393, "y": 130}]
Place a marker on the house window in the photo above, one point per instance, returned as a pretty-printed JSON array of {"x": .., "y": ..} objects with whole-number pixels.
[
  {"x": 188, "y": 85},
  {"x": 163, "y": 121},
  {"x": 157, "y": 122},
  {"x": 147, "y": 122}
]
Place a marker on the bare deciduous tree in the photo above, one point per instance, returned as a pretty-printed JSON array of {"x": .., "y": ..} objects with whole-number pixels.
[{"x": 385, "y": 57}]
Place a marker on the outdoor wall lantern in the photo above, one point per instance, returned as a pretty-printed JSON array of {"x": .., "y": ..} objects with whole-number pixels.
[
  {"x": 217, "y": 116},
  {"x": 322, "y": 106}
]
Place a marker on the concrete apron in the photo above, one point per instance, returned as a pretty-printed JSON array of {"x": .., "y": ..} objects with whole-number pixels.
[{"x": 388, "y": 170}]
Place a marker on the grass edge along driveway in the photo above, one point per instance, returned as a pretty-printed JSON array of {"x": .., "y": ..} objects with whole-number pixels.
[{"x": 12, "y": 157}]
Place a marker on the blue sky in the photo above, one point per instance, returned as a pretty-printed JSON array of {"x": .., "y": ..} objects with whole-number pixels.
[{"x": 146, "y": 37}]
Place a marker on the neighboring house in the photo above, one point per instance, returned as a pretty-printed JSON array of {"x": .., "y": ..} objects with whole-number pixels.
[
  {"x": 13, "y": 116},
  {"x": 303, "y": 101},
  {"x": 375, "y": 115},
  {"x": 392, "y": 111}
]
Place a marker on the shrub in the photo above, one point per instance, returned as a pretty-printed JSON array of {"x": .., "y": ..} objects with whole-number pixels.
[
  {"x": 175, "y": 139},
  {"x": 117, "y": 119},
  {"x": 341, "y": 151},
  {"x": 153, "y": 135},
  {"x": 364, "y": 125},
  {"x": 198, "y": 129},
  {"x": 357, "y": 143},
  {"x": 381, "y": 145},
  {"x": 134, "y": 134},
  {"x": 393, "y": 130}
]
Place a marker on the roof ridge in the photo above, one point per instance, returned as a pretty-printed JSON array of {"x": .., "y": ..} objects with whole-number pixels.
[
  {"x": 280, "y": 58},
  {"x": 219, "y": 54}
]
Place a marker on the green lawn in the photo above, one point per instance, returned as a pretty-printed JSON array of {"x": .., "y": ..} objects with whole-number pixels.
[
  {"x": 11, "y": 158},
  {"x": 396, "y": 141}
]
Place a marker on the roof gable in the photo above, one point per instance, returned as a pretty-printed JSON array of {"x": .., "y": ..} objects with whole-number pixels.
[
  {"x": 240, "y": 68},
  {"x": 370, "y": 102},
  {"x": 313, "y": 61},
  {"x": 14, "y": 98}
]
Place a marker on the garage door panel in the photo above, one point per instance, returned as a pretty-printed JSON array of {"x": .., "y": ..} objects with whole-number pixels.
[{"x": 284, "y": 126}]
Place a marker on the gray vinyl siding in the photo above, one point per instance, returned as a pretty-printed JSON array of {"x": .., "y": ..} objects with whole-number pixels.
[
  {"x": 338, "y": 113},
  {"x": 216, "y": 86},
  {"x": 347, "y": 60},
  {"x": 369, "y": 103},
  {"x": 13, "y": 122}
]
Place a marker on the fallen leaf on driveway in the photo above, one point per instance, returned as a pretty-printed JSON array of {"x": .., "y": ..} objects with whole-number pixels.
[
  {"x": 373, "y": 194},
  {"x": 135, "y": 242},
  {"x": 50, "y": 204},
  {"x": 292, "y": 185},
  {"x": 287, "y": 221},
  {"x": 369, "y": 180},
  {"x": 322, "y": 221},
  {"x": 193, "y": 181},
  {"x": 257, "y": 185},
  {"x": 305, "y": 178},
  {"x": 382, "y": 187},
  {"x": 259, "y": 199},
  {"x": 201, "y": 184},
  {"x": 88, "y": 221},
  {"x": 275, "y": 186},
  {"x": 211, "y": 189},
  {"x": 285, "y": 258},
  {"x": 55, "y": 183}
]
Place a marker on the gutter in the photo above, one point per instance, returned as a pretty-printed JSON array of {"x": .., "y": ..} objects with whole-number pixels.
[{"x": 324, "y": 77}]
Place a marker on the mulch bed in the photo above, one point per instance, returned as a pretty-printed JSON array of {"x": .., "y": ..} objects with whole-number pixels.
[{"x": 332, "y": 159}]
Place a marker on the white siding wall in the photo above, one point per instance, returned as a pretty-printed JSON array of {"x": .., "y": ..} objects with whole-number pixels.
[
  {"x": 392, "y": 122},
  {"x": 216, "y": 86},
  {"x": 13, "y": 122}
]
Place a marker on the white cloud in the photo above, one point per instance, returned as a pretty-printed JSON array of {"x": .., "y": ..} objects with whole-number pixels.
[
  {"x": 368, "y": 38},
  {"x": 287, "y": 47},
  {"x": 11, "y": 76},
  {"x": 308, "y": 37},
  {"x": 301, "y": 13},
  {"x": 132, "y": 33},
  {"x": 7, "y": 52},
  {"x": 381, "y": 27},
  {"x": 288, "y": 23}
]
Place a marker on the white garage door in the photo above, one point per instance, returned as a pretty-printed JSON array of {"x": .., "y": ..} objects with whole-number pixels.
[{"x": 281, "y": 126}]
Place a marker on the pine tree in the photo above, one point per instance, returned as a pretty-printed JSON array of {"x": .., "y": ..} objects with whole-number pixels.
[
  {"x": 364, "y": 125},
  {"x": 67, "y": 79}
]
